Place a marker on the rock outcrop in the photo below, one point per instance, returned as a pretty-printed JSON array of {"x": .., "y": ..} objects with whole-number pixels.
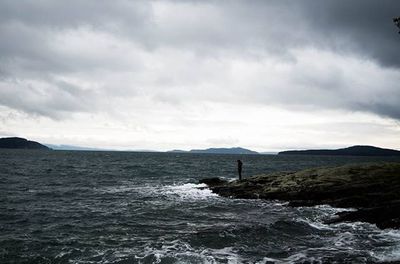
[{"x": 372, "y": 188}]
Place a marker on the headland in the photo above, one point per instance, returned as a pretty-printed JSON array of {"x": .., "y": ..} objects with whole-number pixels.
[{"x": 373, "y": 189}]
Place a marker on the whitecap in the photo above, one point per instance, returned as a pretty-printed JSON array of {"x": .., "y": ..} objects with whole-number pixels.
[
  {"x": 182, "y": 252},
  {"x": 388, "y": 256},
  {"x": 392, "y": 253},
  {"x": 188, "y": 191},
  {"x": 315, "y": 224}
]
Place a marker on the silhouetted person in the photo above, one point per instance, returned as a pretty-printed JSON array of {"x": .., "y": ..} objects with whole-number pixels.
[
  {"x": 396, "y": 21},
  {"x": 240, "y": 165}
]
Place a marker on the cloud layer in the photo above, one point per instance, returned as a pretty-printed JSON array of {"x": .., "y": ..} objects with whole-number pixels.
[{"x": 121, "y": 59}]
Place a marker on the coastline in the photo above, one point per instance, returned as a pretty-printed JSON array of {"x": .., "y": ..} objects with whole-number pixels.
[{"x": 373, "y": 189}]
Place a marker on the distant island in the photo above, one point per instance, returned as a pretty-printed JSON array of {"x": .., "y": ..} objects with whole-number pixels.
[
  {"x": 20, "y": 143},
  {"x": 236, "y": 150},
  {"x": 71, "y": 147},
  {"x": 350, "y": 151}
]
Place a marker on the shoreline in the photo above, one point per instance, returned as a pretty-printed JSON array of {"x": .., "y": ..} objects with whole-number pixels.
[{"x": 373, "y": 189}]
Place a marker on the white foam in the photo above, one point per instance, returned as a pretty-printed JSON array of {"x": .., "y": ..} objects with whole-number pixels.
[
  {"x": 345, "y": 240},
  {"x": 393, "y": 252},
  {"x": 393, "y": 255},
  {"x": 392, "y": 233},
  {"x": 331, "y": 209},
  {"x": 265, "y": 260},
  {"x": 183, "y": 252},
  {"x": 315, "y": 224},
  {"x": 296, "y": 258},
  {"x": 188, "y": 191}
]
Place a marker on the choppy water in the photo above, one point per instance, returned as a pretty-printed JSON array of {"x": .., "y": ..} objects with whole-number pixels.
[{"x": 119, "y": 207}]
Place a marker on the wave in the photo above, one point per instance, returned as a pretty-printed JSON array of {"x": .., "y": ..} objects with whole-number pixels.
[
  {"x": 180, "y": 252},
  {"x": 188, "y": 191},
  {"x": 184, "y": 191}
]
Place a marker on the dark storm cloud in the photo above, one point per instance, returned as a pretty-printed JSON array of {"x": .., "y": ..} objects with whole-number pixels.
[
  {"x": 365, "y": 24},
  {"x": 364, "y": 27},
  {"x": 73, "y": 13},
  {"x": 28, "y": 29},
  {"x": 34, "y": 33},
  {"x": 359, "y": 26}
]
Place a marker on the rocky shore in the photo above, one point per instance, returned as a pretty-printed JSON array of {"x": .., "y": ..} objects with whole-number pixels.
[{"x": 373, "y": 189}]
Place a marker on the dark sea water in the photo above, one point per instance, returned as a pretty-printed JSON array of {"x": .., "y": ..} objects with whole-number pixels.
[{"x": 121, "y": 207}]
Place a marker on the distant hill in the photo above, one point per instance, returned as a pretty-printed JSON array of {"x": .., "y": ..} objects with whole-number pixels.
[
  {"x": 177, "y": 151},
  {"x": 350, "y": 151},
  {"x": 20, "y": 143},
  {"x": 70, "y": 147},
  {"x": 217, "y": 151}
]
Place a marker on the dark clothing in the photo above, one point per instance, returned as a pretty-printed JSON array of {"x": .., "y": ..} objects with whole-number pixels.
[
  {"x": 239, "y": 166},
  {"x": 396, "y": 21}
]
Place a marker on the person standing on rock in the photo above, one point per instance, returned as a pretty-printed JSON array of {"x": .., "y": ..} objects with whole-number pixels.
[
  {"x": 239, "y": 166},
  {"x": 396, "y": 21}
]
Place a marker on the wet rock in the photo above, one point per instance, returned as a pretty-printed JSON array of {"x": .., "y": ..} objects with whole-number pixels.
[
  {"x": 386, "y": 216},
  {"x": 372, "y": 188},
  {"x": 211, "y": 182}
]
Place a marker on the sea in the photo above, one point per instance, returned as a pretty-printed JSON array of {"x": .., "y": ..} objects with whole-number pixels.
[{"x": 129, "y": 207}]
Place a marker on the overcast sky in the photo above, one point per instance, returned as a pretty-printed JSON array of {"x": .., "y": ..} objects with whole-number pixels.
[{"x": 265, "y": 75}]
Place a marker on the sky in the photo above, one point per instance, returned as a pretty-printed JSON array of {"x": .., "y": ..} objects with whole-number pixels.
[{"x": 161, "y": 75}]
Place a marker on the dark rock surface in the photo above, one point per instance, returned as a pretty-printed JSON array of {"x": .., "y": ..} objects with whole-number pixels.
[
  {"x": 385, "y": 216},
  {"x": 20, "y": 143},
  {"x": 373, "y": 189},
  {"x": 213, "y": 181}
]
